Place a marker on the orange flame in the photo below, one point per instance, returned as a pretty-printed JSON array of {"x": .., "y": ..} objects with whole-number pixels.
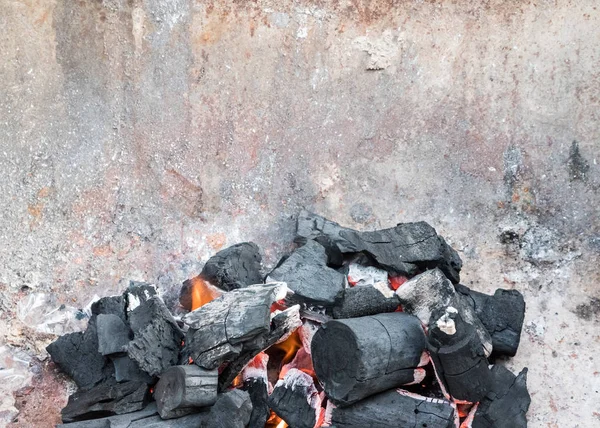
[
  {"x": 275, "y": 421},
  {"x": 202, "y": 292},
  {"x": 290, "y": 346}
]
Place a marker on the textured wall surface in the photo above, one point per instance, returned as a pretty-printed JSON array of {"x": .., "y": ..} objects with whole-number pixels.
[{"x": 140, "y": 136}]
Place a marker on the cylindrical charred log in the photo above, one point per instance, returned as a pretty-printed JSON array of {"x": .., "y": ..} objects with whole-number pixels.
[
  {"x": 358, "y": 357},
  {"x": 394, "y": 408},
  {"x": 361, "y": 301},
  {"x": 501, "y": 314},
  {"x": 183, "y": 388},
  {"x": 458, "y": 356}
]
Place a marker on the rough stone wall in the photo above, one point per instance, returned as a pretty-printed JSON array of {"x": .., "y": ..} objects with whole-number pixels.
[{"x": 139, "y": 136}]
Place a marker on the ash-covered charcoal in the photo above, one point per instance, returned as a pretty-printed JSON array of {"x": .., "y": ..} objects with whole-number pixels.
[
  {"x": 218, "y": 330},
  {"x": 234, "y": 267},
  {"x": 458, "y": 356},
  {"x": 181, "y": 390},
  {"x": 113, "y": 334},
  {"x": 362, "y": 274},
  {"x": 393, "y": 409},
  {"x": 282, "y": 325},
  {"x": 138, "y": 293},
  {"x": 363, "y": 300},
  {"x": 77, "y": 355},
  {"x": 296, "y": 400},
  {"x": 157, "y": 337},
  {"x": 404, "y": 249},
  {"x": 431, "y": 291},
  {"x": 506, "y": 403},
  {"x": 501, "y": 314},
  {"x": 306, "y": 273},
  {"x": 107, "y": 399},
  {"x": 358, "y": 357}
]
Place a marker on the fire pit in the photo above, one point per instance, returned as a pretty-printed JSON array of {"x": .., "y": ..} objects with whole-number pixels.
[{"x": 351, "y": 329}]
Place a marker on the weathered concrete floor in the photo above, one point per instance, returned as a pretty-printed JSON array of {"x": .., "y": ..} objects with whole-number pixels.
[{"x": 140, "y": 136}]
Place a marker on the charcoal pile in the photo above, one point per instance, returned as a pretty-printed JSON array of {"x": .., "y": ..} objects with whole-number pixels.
[{"x": 352, "y": 329}]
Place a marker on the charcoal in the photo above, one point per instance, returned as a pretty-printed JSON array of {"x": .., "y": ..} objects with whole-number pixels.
[
  {"x": 358, "y": 357},
  {"x": 506, "y": 403},
  {"x": 112, "y": 305},
  {"x": 118, "y": 421},
  {"x": 138, "y": 293},
  {"x": 126, "y": 369},
  {"x": 113, "y": 334},
  {"x": 259, "y": 395},
  {"x": 306, "y": 273},
  {"x": 217, "y": 331},
  {"x": 234, "y": 267},
  {"x": 182, "y": 389},
  {"x": 295, "y": 400},
  {"x": 282, "y": 325},
  {"x": 107, "y": 399},
  {"x": 157, "y": 337},
  {"x": 77, "y": 355},
  {"x": 363, "y": 300},
  {"x": 404, "y": 249},
  {"x": 501, "y": 314},
  {"x": 232, "y": 410},
  {"x": 431, "y": 291},
  {"x": 458, "y": 356},
  {"x": 393, "y": 409}
]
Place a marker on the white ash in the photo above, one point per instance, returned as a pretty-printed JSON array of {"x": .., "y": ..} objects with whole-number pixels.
[
  {"x": 366, "y": 275},
  {"x": 446, "y": 323}
]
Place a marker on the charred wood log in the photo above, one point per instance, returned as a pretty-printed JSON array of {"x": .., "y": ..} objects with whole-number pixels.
[
  {"x": 182, "y": 389},
  {"x": 282, "y": 325},
  {"x": 157, "y": 337},
  {"x": 296, "y": 400},
  {"x": 232, "y": 410},
  {"x": 218, "y": 330},
  {"x": 431, "y": 291},
  {"x": 458, "y": 356},
  {"x": 364, "y": 300},
  {"x": 404, "y": 249},
  {"x": 113, "y": 334},
  {"x": 306, "y": 273},
  {"x": 234, "y": 267},
  {"x": 107, "y": 399},
  {"x": 506, "y": 403},
  {"x": 358, "y": 357},
  {"x": 394, "y": 408},
  {"x": 501, "y": 314},
  {"x": 77, "y": 355}
]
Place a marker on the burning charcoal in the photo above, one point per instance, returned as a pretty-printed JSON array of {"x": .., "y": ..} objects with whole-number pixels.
[
  {"x": 232, "y": 410},
  {"x": 507, "y": 402},
  {"x": 218, "y": 330},
  {"x": 113, "y": 334},
  {"x": 394, "y": 408},
  {"x": 234, "y": 267},
  {"x": 157, "y": 338},
  {"x": 282, "y": 325},
  {"x": 501, "y": 314},
  {"x": 358, "y": 357},
  {"x": 359, "y": 274},
  {"x": 363, "y": 300},
  {"x": 77, "y": 355},
  {"x": 138, "y": 293},
  {"x": 256, "y": 384},
  {"x": 112, "y": 305},
  {"x": 106, "y": 399},
  {"x": 296, "y": 400},
  {"x": 306, "y": 273},
  {"x": 431, "y": 291},
  {"x": 458, "y": 356},
  {"x": 404, "y": 249},
  {"x": 126, "y": 369},
  {"x": 181, "y": 389}
]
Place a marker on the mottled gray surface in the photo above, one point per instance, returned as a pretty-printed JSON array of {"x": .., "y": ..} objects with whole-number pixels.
[{"x": 140, "y": 136}]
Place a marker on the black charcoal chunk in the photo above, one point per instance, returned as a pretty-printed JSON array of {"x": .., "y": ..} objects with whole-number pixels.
[
  {"x": 506, "y": 403},
  {"x": 306, "y": 273},
  {"x": 112, "y": 305},
  {"x": 232, "y": 410},
  {"x": 404, "y": 249},
  {"x": 107, "y": 399},
  {"x": 259, "y": 395},
  {"x": 113, "y": 334},
  {"x": 295, "y": 400},
  {"x": 360, "y": 301},
  {"x": 126, "y": 369},
  {"x": 234, "y": 267}
]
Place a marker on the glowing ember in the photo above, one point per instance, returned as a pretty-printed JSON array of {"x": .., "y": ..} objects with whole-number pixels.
[
  {"x": 397, "y": 281},
  {"x": 275, "y": 421},
  {"x": 290, "y": 346},
  {"x": 202, "y": 292},
  {"x": 302, "y": 361},
  {"x": 282, "y": 424}
]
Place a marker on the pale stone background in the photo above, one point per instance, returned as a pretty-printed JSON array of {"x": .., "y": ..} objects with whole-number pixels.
[{"x": 139, "y": 136}]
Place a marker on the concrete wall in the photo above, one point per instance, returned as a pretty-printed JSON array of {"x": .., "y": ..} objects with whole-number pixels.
[{"x": 139, "y": 136}]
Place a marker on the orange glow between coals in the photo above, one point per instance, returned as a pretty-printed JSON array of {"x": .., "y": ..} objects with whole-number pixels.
[
  {"x": 290, "y": 346},
  {"x": 202, "y": 293},
  {"x": 275, "y": 421}
]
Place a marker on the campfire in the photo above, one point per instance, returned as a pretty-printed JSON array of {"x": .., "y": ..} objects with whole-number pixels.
[{"x": 352, "y": 329}]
